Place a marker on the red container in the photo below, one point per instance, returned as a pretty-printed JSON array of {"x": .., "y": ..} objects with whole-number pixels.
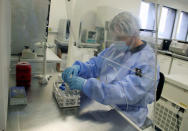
[{"x": 23, "y": 74}]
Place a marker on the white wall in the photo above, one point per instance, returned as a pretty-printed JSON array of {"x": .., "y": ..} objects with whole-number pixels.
[
  {"x": 177, "y": 4},
  {"x": 5, "y": 26},
  {"x": 58, "y": 10},
  {"x": 92, "y": 5}
]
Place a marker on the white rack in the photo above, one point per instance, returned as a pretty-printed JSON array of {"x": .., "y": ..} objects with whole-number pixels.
[{"x": 66, "y": 98}]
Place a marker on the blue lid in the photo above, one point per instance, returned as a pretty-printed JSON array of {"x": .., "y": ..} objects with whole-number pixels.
[
  {"x": 63, "y": 84},
  {"x": 62, "y": 87}
]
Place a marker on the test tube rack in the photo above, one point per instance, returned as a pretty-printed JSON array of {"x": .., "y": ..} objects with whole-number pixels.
[{"x": 64, "y": 96}]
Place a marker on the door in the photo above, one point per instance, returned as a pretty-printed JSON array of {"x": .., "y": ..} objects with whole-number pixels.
[{"x": 5, "y": 26}]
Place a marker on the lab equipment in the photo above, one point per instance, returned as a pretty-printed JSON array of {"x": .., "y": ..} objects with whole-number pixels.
[
  {"x": 172, "y": 109},
  {"x": 76, "y": 83},
  {"x": 100, "y": 35},
  {"x": 91, "y": 36},
  {"x": 73, "y": 70},
  {"x": 64, "y": 31},
  {"x": 28, "y": 54},
  {"x": 170, "y": 116},
  {"x": 89, "y": 45},
  {"x": 179, "y": 67},
  {"x": 64, "y": 96},
  {"x": 45, "y": 78},
  {"x": 23, "y": 74},
  {"x": 166, "y": 44},
  {"x": 39, "y": 49},
  {"x": 151, "y": 41},
  {"x": 164, "y": 62},
  {"x": 17, "y": 96},
  {"x": 179, "y": 48}
]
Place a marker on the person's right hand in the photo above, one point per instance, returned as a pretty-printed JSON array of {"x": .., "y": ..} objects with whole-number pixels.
[{"x": 69, "y": 72}]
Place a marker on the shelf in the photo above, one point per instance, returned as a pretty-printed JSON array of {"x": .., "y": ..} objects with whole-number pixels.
[
  {"x": 61, "y": 43},
  {"x": 88, "y": 45},
  {"x": 173, "y": 54},
  {"x": 50, "y": 57}
]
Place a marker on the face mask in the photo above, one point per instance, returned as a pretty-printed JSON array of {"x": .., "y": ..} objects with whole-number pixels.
[{"x": 121, "y": 45}]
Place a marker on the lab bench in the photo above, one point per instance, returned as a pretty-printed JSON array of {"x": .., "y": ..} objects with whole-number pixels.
[
  {"x": 37, "y": 63},
  {"x": 42, "y": 113}
]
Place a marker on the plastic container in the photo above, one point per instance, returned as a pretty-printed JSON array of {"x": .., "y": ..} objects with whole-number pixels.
[{"x": 23, "y": 74}]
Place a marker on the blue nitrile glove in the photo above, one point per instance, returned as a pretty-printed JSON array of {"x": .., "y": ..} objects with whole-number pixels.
[
  {"x": 71, "y": 71},
  {"x": 76, "y": 82}
]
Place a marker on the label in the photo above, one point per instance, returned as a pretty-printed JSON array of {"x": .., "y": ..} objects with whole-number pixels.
[{"x": 184, "y": 105}]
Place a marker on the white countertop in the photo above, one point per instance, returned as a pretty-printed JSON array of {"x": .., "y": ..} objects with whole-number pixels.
[
  {"x": 179, "y": 80},
  {"x": 43, "y": 114}
]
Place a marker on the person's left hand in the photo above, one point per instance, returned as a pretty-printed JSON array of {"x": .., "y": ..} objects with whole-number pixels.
[{"x": 76, "y": 82}]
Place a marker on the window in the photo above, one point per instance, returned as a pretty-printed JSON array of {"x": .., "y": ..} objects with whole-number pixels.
[
  {"x": 182, "y": 29},
  {"x": 166, "y": 23},
  {"x": 147, "y": 18},
  {"x": 147, "y": 15}
]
